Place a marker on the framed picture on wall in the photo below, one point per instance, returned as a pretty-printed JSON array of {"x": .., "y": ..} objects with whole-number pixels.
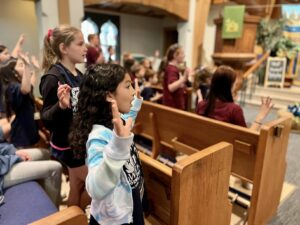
[{"x": 275, "y": 71}]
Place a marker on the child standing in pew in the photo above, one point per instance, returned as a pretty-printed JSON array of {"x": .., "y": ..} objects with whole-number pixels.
[
  {"x": 175, "y": 81},
  {"x": 107, "y": 108},
  {"x": 64, "y": 47},
  {"x": 220, "y": 104}
]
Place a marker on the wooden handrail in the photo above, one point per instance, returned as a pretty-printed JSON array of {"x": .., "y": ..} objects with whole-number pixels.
[{"x": 256, "y": 65}]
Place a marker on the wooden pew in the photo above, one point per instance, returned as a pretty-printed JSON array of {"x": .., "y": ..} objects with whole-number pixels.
[
  {"x": 194, "y": 190},
  {"x": 258, "y": 157},
  {"x": 70, "y": 216},
  {"x": 43, "y": 132}
]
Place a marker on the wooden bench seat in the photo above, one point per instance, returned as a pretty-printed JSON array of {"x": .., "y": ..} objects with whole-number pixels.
[{"x": 258, "y": 157}]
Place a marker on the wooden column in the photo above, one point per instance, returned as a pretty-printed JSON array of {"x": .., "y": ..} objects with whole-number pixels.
[
  {"x": 63, "y": 11},
  {"x": 201, "y": 14}
]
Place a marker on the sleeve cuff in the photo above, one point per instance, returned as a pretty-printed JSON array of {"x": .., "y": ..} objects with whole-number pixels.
[
  {"x": 136, "y": 104},
  {"x": 119, "y": 147}
]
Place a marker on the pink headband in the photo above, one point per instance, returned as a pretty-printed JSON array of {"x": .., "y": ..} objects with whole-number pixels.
[{"x": 49, "y": 34}]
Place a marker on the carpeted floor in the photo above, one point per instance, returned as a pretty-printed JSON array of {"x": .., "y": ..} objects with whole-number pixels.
[{"x": 289, "y": 209}]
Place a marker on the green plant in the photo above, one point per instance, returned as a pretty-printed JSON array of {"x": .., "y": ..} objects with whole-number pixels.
[{"x": 270, "y": 36}]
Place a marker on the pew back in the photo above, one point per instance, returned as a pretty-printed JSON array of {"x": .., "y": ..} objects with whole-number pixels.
[
  {"x": 256, "y": 155},
  {"x": 194, "y": 191}
]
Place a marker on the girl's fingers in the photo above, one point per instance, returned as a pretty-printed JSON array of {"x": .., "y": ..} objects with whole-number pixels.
[
  {"x": 137, "y": 88},
  {"x": 129, "y": 123},
  {"x": 114, "y": 110},
  {"x": 136, "y": 84},
  {"x": 61, "y": 92},
  {"x": 117, "y": 126}
]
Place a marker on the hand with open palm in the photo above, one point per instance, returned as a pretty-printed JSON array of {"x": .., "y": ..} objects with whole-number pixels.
[
  {"x": 265, "y": 108},
  {"x": 35, "y": 62}
]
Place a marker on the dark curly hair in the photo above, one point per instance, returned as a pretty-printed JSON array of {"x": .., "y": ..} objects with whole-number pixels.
[{"x": 98, "y": 81}]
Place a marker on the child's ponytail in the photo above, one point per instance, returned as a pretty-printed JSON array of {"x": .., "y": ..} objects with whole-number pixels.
[
  {"x": 49, "y": 56},
  {"x": 64, "y": 34}
]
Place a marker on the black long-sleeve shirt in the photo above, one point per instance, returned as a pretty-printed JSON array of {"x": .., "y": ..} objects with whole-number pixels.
[{"x": 58, "y": 120}]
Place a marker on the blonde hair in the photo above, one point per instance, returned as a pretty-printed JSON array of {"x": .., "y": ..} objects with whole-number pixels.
[{"x": 63, "y": 34}]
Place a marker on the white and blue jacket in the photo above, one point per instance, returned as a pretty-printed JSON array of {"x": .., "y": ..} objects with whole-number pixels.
[{"x": 106, "y": 182}]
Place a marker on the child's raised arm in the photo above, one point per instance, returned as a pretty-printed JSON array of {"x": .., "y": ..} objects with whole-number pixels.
[
  {"x": 107, "y": 154},
  {"x": 18, "y": 47},
  {"x": 136, "y": 104},
  {"x": 265, "y": 108},
  {"x": 25, "y": 72}
]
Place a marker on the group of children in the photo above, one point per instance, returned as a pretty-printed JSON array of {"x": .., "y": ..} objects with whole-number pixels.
[
  {"x": 18, "y": 128},
  {"x": 91, "y": 116},
  {"x": 214, "y": 90}
]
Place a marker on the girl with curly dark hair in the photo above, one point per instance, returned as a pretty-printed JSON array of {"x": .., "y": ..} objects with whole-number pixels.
[{"x": 101, "y": 132}]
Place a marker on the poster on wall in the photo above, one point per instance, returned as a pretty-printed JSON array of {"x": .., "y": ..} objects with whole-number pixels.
[
  {"x": 275, "y": 72},
  {"x": 233, "y": 22},
  {"x": 291, "y": 30},
  {"x": 291, "y": 15}
]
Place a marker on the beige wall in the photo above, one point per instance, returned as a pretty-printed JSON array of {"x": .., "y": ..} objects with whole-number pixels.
[
  {"x": 141, "y": 34},
  {"x": 17, "y": 17},
  {"x": 210, "y": 33}
]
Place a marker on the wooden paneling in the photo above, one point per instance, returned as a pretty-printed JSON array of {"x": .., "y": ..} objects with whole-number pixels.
[
  {"x": 72, "y": 215},
  {"x": 219, "y": 1},
  {"x": 245, "y": 44},
  {"x": 201, "y": 14},
  {"x": 63, "y": 11},
  {"x": 258, "y": 157},
  {"x": 271, "y": 163},
  {"x": 178, "y": 8},
  {"x": 199, "y": 188}
]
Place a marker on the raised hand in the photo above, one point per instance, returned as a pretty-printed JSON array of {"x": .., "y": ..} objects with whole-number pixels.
[
  {"x": 137, "y": 88},
  {"x": 20, "y": 67},
  {"x": 35, "y": 62},
  {"x": 120, "y": 129},
  {"x": 25, "y": 57},
  {"x": 64, "y": 95},
  {"x": 21, "y": 39},
  {"x": 266, "y": 106},
  {"x": 18, "y": 48}
]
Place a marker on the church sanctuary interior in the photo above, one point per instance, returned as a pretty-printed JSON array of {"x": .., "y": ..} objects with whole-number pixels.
[{"x": 214, "y": 141}]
